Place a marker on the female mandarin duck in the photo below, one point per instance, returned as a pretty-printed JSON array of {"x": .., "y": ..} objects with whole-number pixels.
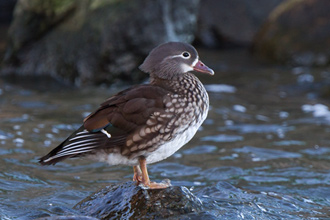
[{"x": 145, "y": 123}]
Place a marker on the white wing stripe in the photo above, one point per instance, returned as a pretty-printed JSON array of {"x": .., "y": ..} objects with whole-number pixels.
[
  {"x": 78, "y": 143},
  {"x": 81, "y": 136},
  {"x": 74, "y": 147},
  {"x": 76, "y": 151},
  {"x": 64, "y": 154},
  {"x": 82, "y": 132}
]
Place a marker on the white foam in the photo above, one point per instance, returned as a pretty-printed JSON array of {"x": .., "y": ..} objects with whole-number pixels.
[
  {"x": 239, "y": 108},
  {"x": 318, "y": 110}
]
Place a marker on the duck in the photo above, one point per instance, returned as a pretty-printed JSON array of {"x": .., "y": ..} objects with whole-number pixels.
[{"x": 145, "y": 123}]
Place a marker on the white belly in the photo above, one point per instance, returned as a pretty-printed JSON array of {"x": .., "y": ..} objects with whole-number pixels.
[{"x": 171, "y": 147}]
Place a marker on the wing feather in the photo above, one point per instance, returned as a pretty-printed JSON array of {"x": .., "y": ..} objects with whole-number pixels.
[{"x": 121, "y": 116}]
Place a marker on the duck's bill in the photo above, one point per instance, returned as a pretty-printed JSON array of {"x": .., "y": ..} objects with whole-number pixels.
[{"x": 201, "y": 67}]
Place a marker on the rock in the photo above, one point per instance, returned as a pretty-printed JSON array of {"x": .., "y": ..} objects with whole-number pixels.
[
  {"x": 128, "y": 201},
  {"x": 6, "y": 9},
  {"x": 69, "y": 217},
  {"x": 93, "y": 42},
  {"x": 234, "y": 22},
  {"x": 298, "y": 32},
  {"x": 6, "y": 14}
]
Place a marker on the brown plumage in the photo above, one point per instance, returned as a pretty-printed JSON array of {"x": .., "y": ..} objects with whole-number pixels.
[{"x": 145, "y": 123}]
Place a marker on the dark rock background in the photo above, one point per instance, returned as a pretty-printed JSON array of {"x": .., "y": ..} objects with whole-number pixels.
[
  {"x": 6, "y": 16},
  {"x": 231, "y": 22},
  {"x": 95, "y": 42},
  {"x": 81, "y": 42},
  {"x": 296, "y": 32}
]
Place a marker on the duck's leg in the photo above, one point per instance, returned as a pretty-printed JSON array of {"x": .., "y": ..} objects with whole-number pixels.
[
  {"x": 137, "y": 174},
  {"x": 145, "y": 177}
]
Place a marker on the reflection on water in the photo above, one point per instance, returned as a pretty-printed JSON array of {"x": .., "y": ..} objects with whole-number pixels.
[{"x": 263, "y": 152}]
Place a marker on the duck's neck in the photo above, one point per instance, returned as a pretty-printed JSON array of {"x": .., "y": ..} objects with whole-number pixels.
[{"x": 180, "y": 84}]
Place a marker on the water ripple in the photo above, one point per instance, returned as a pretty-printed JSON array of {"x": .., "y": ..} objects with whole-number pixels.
[
  {"x": 256, "y": 128},
  {"x": 223, "y": 138},
  {"x": 226, "y": 201},
  {"x": 264, "y": 154},
  {"x": 174, "y": 169},
  {"x": 201, "y": 149}
]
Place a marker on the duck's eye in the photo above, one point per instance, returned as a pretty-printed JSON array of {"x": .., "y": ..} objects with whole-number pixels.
[{"x": 186, "y": 54}]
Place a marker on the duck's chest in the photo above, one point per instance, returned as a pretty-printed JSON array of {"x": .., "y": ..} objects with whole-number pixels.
[{"x": 190, "y": 111}]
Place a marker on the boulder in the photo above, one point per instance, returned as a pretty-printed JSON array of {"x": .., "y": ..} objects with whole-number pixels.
[
  {"x": 297, "y": 32},
  {"x": 6, "y": 9},
  {"x": 128, "y": 201},
  {"x": 231, "y": 22},
  {"x": 6, "y": 14},
  {"x": 93, "y": 42}
]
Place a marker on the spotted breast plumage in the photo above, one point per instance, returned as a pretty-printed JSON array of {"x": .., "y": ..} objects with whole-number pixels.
[{"x": 145, "y": 123}]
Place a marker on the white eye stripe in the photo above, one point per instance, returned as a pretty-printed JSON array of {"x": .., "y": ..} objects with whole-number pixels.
[
  {"x": 184, "y": 67},
  {"x": 180, "y": 55},
  {"x": 174, "y": 56}
]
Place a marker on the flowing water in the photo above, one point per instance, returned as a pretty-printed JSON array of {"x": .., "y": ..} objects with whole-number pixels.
[{"x": 263, "y": 152}]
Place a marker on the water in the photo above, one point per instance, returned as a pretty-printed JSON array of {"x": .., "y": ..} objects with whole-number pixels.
[{"x": 263, "y": 152}]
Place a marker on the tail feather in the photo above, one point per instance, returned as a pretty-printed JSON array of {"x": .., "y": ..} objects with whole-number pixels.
[{"x": 77, "y": 144}]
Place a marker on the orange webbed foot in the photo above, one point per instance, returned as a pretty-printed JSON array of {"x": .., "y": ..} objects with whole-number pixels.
[
  {"x": 162, "y": 185},
  {"x": 141, "y": 176}
]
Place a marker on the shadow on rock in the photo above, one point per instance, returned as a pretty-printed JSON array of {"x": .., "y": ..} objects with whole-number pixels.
[{"x": 128, "y": 201}]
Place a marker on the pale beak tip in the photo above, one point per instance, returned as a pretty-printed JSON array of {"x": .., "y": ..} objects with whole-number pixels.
[{"x": 201, "y": 67}]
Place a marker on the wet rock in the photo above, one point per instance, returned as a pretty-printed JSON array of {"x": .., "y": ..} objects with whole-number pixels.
[
  {"x": 128, "y": 201},
  {"x": 92, "y": 42},
  {"x": 297, "y": 32},
  {"x": 69, "y": 217},
  {"x": 234, "y": 22}
]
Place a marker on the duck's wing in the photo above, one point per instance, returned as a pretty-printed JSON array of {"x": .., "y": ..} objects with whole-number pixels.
[{"x": 119, "y": 124}]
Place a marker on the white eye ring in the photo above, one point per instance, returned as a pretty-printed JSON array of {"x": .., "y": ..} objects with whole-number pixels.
[{"x": 185, "y": 55}]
